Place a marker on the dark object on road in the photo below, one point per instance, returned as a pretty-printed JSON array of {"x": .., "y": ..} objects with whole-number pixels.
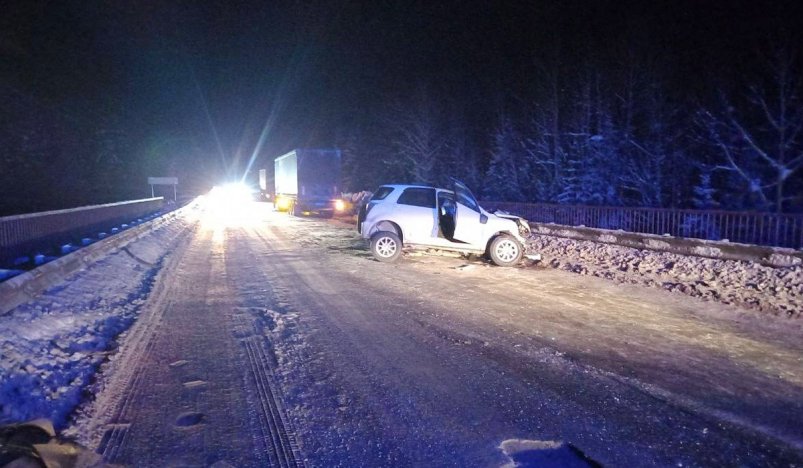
[
  {"x": 34, "y": 444},
  {"x": 545, "y": 454}
]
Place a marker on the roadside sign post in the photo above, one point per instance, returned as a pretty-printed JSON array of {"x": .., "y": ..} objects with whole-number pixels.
[{"x": 164, "y": 181}]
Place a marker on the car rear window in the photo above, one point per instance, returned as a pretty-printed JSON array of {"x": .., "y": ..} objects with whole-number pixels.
[
  {"x": 381, "y": 193},
  {"x": 424, "y": 197}
]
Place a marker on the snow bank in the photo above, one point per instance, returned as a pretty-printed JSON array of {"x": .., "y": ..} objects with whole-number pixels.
[
  {"x": 721, "y": 249},
  {"x": 777, "y": 291},
  {"x": 51, "y": 347}
]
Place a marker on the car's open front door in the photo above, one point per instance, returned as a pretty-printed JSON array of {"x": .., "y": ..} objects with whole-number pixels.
[{"x": 469, "y": 220}]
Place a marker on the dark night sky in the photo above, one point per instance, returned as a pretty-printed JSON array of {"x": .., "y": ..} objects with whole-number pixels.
[{"x": 168, "y": 72}]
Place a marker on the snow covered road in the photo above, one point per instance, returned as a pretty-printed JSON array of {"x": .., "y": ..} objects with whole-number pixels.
[{"x": 272, "y": 339}]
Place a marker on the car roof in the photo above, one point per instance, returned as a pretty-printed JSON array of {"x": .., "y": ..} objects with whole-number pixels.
[{"x": 412, "y": 185}]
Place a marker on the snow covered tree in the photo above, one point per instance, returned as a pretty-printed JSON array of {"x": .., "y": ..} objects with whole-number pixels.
[
  {"x": 548, "y": 161},
  {"x": 759, "y": 134},
  {"x": 418, "y": 137},
  {"x": 704, "y": 198},
  {"x": 591, "y": 143},
  {"x": 704, "y": 191},
  {"x": 460, "y": 156},
  {"x": 579, "y": 165},
  {"x": 502, "y": 178},
  {"x": 645, "y": 130},
  {"x": 604, "y": 133}
]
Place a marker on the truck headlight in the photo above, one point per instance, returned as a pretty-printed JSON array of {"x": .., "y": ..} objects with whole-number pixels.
[{"x": 339, "y": 205}]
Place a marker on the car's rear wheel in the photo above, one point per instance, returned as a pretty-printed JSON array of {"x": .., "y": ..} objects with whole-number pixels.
[
  {"x": 505, "y": 250},
  {"x": 386, "y": 246}
]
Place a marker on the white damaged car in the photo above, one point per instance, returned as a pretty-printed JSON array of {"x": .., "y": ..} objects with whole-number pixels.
[{"x": 423, "y": 217}]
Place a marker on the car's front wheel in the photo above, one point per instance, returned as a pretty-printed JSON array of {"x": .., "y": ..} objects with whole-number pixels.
[
  {"x": 505, "y": 250},
  {"x": 386, "y": 246}
]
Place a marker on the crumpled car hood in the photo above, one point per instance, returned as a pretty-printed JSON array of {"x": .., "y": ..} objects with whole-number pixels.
[{"x": 524, "y": 226}]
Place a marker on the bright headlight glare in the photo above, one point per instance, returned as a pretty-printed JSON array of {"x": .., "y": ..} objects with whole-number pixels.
[
  {"x": 230, "y": 193},
  {"x": 229, "y": 206},
  {"x": 282, "y": 203},
  {"x": 339, "y": 205}
]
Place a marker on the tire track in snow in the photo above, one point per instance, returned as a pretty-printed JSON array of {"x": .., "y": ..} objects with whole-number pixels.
[
  {"x": 156, "y": 408},
  {"x": 281, "y": 445},
  {"x": 115, "y": 434},
  {"x": 274, "y": 422}
]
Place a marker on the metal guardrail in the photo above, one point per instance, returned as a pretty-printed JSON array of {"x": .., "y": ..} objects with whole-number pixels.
[
  {"x": 27, "y": 234},
  {"x": 767, "y": 229}
]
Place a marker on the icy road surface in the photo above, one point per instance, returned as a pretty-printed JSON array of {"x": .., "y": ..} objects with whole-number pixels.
[{"x": 272, "y": 339}]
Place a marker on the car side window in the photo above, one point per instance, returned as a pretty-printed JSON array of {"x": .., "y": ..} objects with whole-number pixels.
[
  {"x": 466, "y": 200},
  {"x": 381, "y": 193},
  {"x": 418, "y": 196}
]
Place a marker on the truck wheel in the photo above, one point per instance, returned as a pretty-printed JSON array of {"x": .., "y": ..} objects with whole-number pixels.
[
  {"x": 386, "y": 246},
  {"x": 505, "y": 250}
]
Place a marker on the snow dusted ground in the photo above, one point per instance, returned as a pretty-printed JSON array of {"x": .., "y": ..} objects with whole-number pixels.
[
  {"x": 214, "y": 343},
  {"x": 50, "y": 348},
  {"x": 629, "y": 375},
  {"x": 775, "y": 291}
]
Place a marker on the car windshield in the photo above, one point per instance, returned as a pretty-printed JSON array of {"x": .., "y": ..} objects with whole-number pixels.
[{"x": 466, "y": 198}]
